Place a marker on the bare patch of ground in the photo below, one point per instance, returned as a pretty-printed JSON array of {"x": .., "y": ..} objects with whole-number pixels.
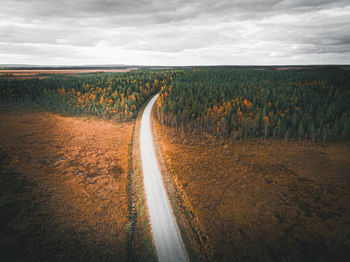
[
  {"x": 266, "y": 201},
  {"x": 63, "y": 188}
]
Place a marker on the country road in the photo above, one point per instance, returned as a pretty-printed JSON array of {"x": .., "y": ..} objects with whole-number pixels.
[{"x": 166, "y": 235}]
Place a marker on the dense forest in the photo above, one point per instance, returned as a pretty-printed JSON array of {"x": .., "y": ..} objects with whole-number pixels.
[
  {"x": 243, "y": 104},
  {"x": 116, "y": 96},
  {"x": 213, "y": 102}
]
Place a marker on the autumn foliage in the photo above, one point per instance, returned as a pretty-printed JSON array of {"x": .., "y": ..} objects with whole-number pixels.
[
  {"x": 116, "y": 96},
  {"x": 243, "y": 104}
]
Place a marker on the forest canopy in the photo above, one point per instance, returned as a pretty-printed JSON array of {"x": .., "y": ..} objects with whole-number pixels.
[
  {"x": 117, "y": 96},
  {"x": 216, "y": 102},
  {"x": 241, "y": 104}
]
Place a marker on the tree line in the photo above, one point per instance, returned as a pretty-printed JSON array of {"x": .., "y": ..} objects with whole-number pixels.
[
  {"x": 243, "y": 104},
  {"x": 117, "y": 96}
]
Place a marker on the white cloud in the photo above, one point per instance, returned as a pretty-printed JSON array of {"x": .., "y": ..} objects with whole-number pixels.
[{"x": 175, "y": 32}]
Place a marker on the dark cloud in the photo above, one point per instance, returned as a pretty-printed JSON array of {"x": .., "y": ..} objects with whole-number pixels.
[
  {"x": 156, "y": 31},
  {"x": 160, "y": 10}
]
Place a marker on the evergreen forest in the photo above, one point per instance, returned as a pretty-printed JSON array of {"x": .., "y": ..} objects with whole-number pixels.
[
  {"x": 215, "y": 102},
  {"x": 116, "y": 96},
  {"x": 248, "y": 104}
]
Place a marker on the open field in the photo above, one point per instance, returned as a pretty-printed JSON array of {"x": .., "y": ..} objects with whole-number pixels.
[
  {"x": 63, "y": 188},
  {"x": 42, "y": 73},
  {"x": 265, "y": 201}
]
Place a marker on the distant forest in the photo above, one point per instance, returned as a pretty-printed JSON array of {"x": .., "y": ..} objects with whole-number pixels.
[
  {"x": 210, "y": 102},
  {"x": 117, "y": 96},
  {"x": 244, "y": 104}
]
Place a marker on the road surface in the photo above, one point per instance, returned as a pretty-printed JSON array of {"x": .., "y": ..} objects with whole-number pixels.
[{"x": 166, "y": 235}]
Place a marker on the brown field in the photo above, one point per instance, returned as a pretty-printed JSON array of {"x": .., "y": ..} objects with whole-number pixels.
[
  {"x": 265, "y": 201},
  {"x": 33, "y": 73},
  {"x": 288, "y": 68},
  {"x": 63, "y": 188}
]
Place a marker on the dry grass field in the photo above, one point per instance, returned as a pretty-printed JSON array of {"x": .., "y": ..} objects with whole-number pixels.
[
  {"x": 44, "y": 73},
  {"x": 63, "y": 188},
  {"x": 266, "y": 201}
]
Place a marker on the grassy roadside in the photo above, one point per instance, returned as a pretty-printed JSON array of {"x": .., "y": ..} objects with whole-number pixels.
[
  {"x": 193, "y": 250},
  {"x": 131, "y": 204},
  {"x": 144, "y": 246}
]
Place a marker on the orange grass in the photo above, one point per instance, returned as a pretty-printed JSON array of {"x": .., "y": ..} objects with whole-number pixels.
[
  {"x": 76, "y": 173},
  {"x": 33, "y": 73},
  {"x": 265, "y": 201}
]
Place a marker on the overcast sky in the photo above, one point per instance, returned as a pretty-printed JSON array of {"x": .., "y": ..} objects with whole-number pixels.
[{"x": 177, "y": 32}]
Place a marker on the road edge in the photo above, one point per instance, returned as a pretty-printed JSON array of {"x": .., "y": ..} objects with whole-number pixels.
[
  {"x": 187, "y": 236},
  {"x": 144, "y": 243}
]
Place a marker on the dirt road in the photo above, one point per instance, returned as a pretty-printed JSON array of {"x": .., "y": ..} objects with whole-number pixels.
[{"x": 166, "y": 235}]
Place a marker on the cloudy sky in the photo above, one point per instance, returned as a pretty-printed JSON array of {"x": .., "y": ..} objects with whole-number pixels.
[{"x": 177, "y": 32}]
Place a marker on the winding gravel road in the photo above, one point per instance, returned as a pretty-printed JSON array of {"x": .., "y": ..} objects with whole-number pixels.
[{"x": 166, "y": 235}]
